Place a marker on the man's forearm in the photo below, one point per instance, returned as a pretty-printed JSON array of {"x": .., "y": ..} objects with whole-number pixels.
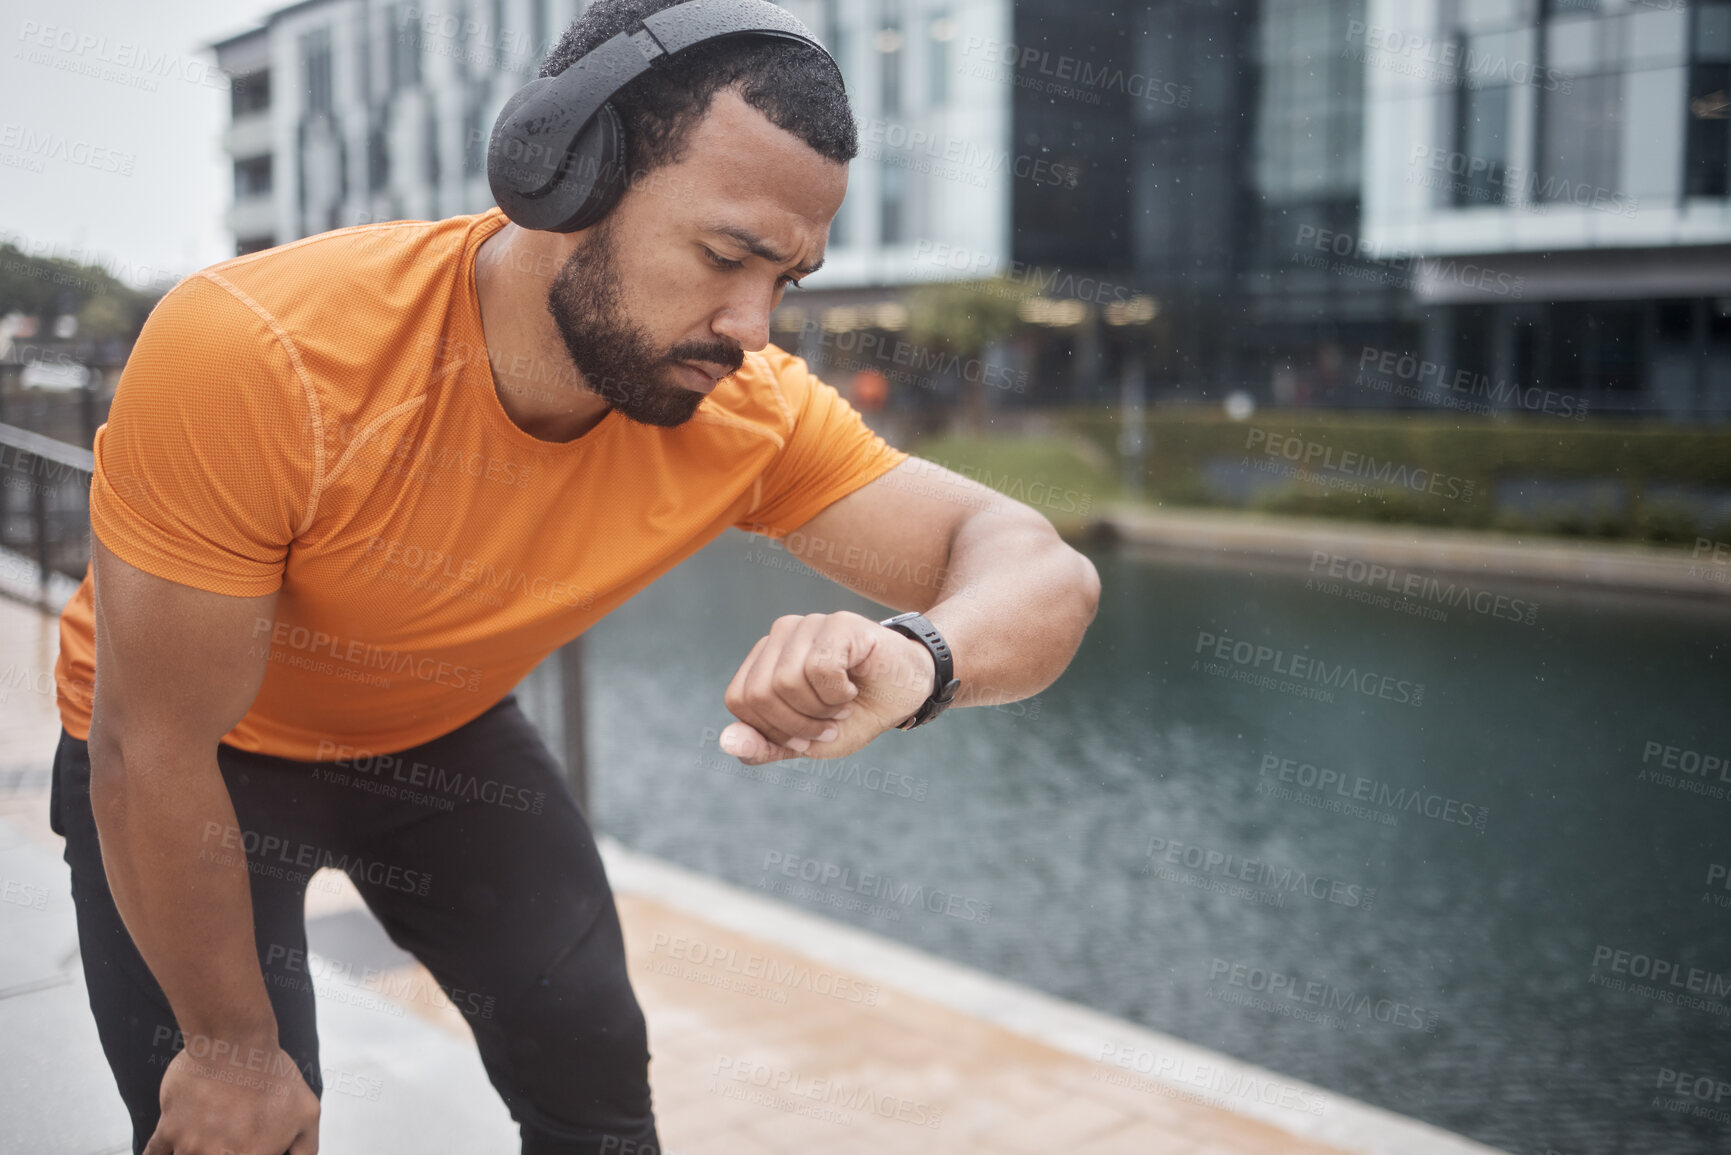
[
  {"x": 1029, "y": 598},
  {"x": 183, "y": 895}
]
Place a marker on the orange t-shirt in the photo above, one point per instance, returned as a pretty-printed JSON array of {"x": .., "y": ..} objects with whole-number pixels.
[{"x": 321, "y": 418}]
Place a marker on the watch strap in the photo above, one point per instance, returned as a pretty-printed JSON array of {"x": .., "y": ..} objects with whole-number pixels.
[{"x": 944, "y": 682}]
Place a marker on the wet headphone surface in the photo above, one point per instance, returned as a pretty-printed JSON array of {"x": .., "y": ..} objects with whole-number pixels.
[{"x": 557, "y": 159}]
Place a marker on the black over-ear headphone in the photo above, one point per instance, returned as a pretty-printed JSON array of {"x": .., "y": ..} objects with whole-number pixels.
[{"x": 556, "y": 160}]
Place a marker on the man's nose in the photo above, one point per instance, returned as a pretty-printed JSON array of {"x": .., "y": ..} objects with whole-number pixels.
[{"x": 745, "y": 322}]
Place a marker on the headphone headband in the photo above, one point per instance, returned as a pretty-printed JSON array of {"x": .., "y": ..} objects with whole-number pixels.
[
  {"x": 556, "y": 159},
  {"x": 684, "y": 25}
]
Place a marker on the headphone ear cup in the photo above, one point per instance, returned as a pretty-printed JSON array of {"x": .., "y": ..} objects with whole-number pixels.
[
  {"x": 589, "y": 185},
  {"x": 595, "y": 176}
]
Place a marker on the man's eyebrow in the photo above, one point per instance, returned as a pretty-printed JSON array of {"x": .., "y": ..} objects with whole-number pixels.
[{"x": 757, "y": 247}]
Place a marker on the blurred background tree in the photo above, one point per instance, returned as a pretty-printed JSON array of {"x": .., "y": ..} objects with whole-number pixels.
[
  {"x": 965, "y": 319},
  {"x": 108, "y": 317},
  {"x": 49, "y": 287}
]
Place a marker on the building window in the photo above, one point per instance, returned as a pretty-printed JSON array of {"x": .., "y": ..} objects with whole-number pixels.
[
  {"x": 250, "y": 94},
  {"x": 378, "y": 160},
  {"x": 1595, "y": 347},
  {"x": 1707, "y": 171},
  {"x": 1580, "y": 122},
  {"x": 463, "y": 49},
  {"x": 538, "y": 45},
  {"x": 1581, "y": 138},
  {"x": 252, "y": 177},
  {"x": 940, "y": 32},
  {"x": 835, "y": 34},
  {"x": 245, "y": 245},
  {"x": 405, "y": 49},
  {"x": 1474, "y": 16},
  {"x": 1311, "y": 111},
  {"x": 431, "y": 158},
  {"x": 1495, "y": 45},
  {"x": 892, "y": 221},
  {"x": 1482, "y": 140},
  {"x": 889, "y": 46},
  {"x": 475, "y": 133},
  {"x": 838, "y": 226},
  {"x": 316, "y": 70}
]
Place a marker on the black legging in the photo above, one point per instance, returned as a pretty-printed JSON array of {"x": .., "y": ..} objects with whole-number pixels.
[{"x": 472, "y": 853}]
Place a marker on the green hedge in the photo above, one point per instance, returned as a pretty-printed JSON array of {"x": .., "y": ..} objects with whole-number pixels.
[
  {"x": 1066, "y": 479},
  {"x": 1455, "y": 451}
]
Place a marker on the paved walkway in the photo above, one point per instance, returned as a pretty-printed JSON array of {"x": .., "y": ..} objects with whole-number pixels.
[{"x": 773, "y": 1030}]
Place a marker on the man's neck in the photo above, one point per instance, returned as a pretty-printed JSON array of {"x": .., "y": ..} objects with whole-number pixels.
[{"x": 539, "y": 388}]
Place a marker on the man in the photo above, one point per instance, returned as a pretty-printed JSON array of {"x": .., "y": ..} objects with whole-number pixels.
[{"x": 352, "y": 489}]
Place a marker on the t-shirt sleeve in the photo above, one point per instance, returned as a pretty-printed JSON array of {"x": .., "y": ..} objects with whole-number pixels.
[
  {"x": 204, "y": 470},
  {"x": 830, "y": 452}
]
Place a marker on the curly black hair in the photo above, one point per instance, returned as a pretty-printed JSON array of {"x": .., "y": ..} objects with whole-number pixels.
[{"x": 788, "y": 82}]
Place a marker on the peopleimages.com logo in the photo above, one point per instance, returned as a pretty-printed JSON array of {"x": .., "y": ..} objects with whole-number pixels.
[
  {"x": 1431, "y": 377},
  {"x": 1312, "y": 1000},
  {"x": 95, "y": 55},
  {"x": 1447, "y": 59},
  {"x": 1415, "y": 593},
  {"x": 890, "y": 892},
  {"x": 1301, "y": 670},
  {"x": 956, "y": 158},
  {"x": 1660, "y": 979},
  {"x": 1344, "y": 793},
  {"x": 1492, "y": 181},
  {"x": 1219, "y": 1085},
  {"x": 1317, "y": 460},
  {"x": 1276, "y": 877},
  {"x": 799, "y": 1090},
  {"x": 1079, "y": 78},
  {"x": 1691, "y": 771}
]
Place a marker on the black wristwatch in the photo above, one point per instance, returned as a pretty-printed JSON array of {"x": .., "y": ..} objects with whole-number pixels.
[{"x": 944, "y": 682}]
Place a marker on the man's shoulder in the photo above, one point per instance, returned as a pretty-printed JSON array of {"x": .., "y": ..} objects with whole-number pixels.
[
  {"x": 352, "y": 278},
  {"x": 338, "y": 327}
]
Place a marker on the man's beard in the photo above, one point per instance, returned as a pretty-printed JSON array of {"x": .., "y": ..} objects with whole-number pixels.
[{"x": 615, "y": 356}]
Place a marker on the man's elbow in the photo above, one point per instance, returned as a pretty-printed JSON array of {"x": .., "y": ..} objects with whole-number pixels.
[
  {"x": 1085, "y": 586},
  {"x": 107, "y": 759},
  {"x": 118, "y": 746},
  {"x": 1075, "y": 583}
]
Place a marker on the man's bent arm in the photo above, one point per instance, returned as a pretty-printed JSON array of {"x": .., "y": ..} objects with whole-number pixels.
[
  {"x": 1020, "y": 603},
  {"x": 1009, "y": 596},
  {"x": 176, "y": 669}
]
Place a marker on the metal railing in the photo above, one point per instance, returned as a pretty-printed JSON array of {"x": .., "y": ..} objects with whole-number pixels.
[
  {"x": 46, "y": 487},
  {"x": 551, "y": 696}
]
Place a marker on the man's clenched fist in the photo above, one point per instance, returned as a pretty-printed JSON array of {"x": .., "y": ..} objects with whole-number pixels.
[
  {"x": 255, "y": 1102},
  {"x": 822, "y": 686}
]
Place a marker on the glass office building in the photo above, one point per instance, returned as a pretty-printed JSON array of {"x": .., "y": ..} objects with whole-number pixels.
[
  {"x": 1531, "y": 197},
  {"x": 1577, "y": 151}
]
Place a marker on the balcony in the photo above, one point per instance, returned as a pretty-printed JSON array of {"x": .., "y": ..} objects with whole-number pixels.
[
  {"x": 253, "y": 216},
  {"x": 248, "y": 136}
]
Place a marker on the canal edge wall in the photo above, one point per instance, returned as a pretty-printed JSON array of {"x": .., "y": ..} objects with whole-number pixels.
[{"x": 1294, "y": 543}]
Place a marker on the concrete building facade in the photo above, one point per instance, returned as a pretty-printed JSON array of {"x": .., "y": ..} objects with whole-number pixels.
[
  {"x": 1208, "y": 196},
  {"x": 348, "y": 111}
]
